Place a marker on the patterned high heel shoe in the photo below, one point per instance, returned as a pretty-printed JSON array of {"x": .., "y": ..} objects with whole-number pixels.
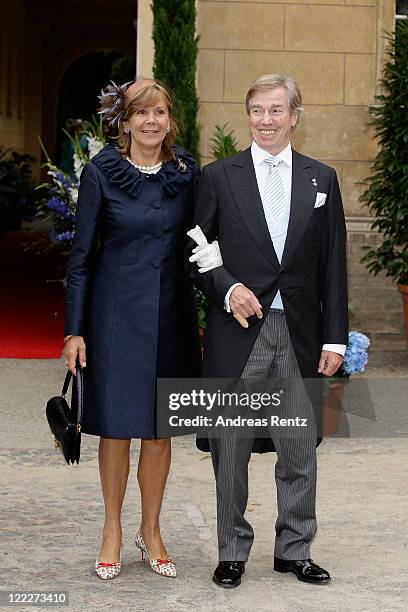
[
  {"x": 164, "y": 567},
  {"x": 107, "y": 571}
]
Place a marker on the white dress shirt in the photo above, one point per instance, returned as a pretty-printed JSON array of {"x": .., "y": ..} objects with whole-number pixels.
[{"x": 279, "y": 232}]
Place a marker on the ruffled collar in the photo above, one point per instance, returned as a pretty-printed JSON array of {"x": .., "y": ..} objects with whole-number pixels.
[{"x": 174, "y": 175}]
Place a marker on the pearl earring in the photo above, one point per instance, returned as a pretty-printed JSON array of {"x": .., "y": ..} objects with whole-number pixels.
[
  {"x": 126, "y": 129},
  {"x": 167, "y": 129}
]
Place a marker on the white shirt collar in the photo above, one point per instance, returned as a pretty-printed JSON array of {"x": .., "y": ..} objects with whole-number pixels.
[{"x": 259, "y": 155}]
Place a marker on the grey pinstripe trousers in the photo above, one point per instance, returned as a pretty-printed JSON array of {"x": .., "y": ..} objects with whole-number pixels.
[{"x": 272, "y": 356}]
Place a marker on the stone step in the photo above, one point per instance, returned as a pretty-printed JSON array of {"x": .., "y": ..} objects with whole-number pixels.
[
  {"x": 377, "y": 319},
  {"x": 375, "y": 297},
  {"x": 356, "y": 281},
  {"x": 387, "y": 341},
  {"x": 371, "y": 325},
  {"x": 398, "y": 359}
]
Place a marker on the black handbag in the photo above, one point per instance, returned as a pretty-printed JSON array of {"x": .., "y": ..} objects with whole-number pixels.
[{"x": 65, "y": 422}]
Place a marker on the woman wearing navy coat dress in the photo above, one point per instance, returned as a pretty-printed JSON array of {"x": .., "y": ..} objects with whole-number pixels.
[{"x": 130, "y": 315}]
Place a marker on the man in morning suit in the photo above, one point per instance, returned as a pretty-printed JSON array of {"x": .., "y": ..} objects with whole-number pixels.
[{"x": 279, "y": 222}]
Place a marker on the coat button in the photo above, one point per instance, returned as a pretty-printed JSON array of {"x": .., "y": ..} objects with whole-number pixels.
[
  {"x": 159, "y": 234},
  {"x": 156, "y": 264}
]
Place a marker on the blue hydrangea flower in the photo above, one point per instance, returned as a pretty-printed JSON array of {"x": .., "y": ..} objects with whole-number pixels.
[
  {"x": 359, "y": 340},
  {"x": 356, "y": 357}
]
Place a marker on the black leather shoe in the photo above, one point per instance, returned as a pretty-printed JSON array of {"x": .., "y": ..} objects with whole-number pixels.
[
  {"x": 305, "y": 570},
  {"x": 228, "y": 573}
]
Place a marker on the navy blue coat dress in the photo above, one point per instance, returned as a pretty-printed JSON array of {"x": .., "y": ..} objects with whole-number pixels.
[{"x": 127, "y": 292}]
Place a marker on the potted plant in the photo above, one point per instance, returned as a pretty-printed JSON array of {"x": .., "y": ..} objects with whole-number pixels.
[
  {"x": 386, "y": 192},
  {"x": 224, "y": 143},
  {"x": 355, "y": 360}
]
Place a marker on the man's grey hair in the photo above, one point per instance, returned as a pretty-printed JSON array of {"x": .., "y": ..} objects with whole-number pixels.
[{"x": 267, "y": 82}]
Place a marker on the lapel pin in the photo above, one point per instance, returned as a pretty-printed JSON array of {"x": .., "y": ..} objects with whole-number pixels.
[{"x": 314, "y": 182}]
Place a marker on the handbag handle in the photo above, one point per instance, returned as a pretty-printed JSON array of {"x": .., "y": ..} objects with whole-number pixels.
[{"x": 80, "y": 392}]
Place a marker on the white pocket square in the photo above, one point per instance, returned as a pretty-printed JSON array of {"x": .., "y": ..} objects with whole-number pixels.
[{"x": 320, "y": 199}]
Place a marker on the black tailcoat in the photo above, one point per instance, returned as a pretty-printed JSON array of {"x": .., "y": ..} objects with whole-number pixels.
[{"x": 311, "y": 278}]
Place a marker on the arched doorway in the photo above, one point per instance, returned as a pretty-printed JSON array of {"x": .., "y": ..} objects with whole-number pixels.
[{"x": 80, "y": 84}]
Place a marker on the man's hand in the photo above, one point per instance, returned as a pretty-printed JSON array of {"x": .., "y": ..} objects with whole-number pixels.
[
  {"x": 242, "y": 301},
  {"x": 74, "y": 347},
  {"x": 329, "y": 363}
]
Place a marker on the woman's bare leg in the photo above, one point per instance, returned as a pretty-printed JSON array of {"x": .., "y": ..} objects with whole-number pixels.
[
  {"x": 114, "y": 471},
  {"x": 153, "y": 469}
]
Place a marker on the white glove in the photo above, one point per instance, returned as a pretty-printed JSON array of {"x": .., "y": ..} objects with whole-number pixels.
[{"x": 207, "y": 257}]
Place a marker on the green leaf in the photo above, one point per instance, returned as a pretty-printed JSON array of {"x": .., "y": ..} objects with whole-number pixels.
[{"x": 386, "y": 190}]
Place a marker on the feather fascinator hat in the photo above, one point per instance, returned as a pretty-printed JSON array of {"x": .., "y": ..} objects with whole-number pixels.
[{"x": 115, "y": 99}]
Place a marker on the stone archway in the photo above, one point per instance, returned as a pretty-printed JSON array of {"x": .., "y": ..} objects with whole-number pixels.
[
  {"x": 55, "y": 36},
  {"x": 81, "y": 83}
]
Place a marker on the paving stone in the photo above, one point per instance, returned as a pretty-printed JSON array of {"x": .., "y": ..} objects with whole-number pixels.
[{"x": 52, "y": 516}]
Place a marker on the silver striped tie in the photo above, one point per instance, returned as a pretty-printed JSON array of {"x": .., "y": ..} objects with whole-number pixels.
[{"x": 274, "y": 193}]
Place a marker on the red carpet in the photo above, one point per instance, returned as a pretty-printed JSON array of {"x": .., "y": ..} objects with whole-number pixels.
[{"x": 31, "y": 304}]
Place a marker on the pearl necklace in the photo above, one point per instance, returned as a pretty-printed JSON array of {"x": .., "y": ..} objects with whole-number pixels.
[{"x": 146, "y": 169}]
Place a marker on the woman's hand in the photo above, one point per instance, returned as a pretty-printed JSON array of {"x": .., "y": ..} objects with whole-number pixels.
[
  {"x": 207, "y": 257},
  {"x": 75, "y": 347}
]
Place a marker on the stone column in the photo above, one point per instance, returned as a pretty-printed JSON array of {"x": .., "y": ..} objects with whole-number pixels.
[{"x": 145, "y": 47}]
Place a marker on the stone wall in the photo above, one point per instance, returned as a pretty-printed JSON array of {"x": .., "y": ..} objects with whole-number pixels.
[
  {"x": 335, "y": 50},
  {"x": 375, "y": 302}
]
